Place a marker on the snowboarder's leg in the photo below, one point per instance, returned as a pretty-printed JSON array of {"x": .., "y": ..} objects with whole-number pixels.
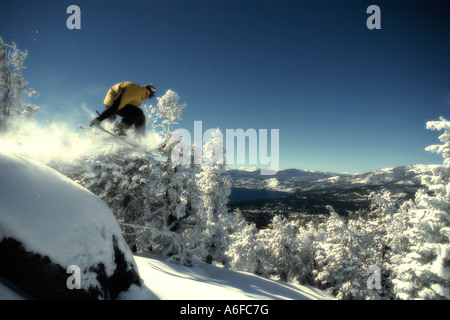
[
  {"x": 139, "y": 126},
  {"x": 120, "y": 128},
  {"x": 132, "y": 115}
]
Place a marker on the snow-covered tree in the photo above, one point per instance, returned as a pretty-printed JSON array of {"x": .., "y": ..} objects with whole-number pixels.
[
  {"x": 343, "y": 256},
  {"x": 13, "y": 86},
  {"x": 245, "y": 252},
  {"x": 127, "y": 184},
  {"x": 281, "y": 249},
  {"x": 424, "y": 272},
  {"x": 195, "y": 221},
  {"x": 215, "y": 185},
  {"x": 167, "y": 113},
  {"x": 387, "y": 222},
  {"x": 306, "y": 238},
  {"x": 171, "y": 202}
]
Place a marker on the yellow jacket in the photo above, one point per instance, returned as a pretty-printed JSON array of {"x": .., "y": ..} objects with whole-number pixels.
[{"x": 134, "y": 94}]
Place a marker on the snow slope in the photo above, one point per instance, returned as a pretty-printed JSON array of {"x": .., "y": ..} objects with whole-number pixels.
[
  {"x": 49, "y": 213},
  {"x": 167, "y": 281}
]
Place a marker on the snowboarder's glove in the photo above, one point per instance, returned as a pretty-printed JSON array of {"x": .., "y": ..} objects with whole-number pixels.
[{"x": 95, "y": 122}]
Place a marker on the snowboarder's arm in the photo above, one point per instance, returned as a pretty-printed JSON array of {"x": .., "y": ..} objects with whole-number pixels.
[
  {"x": 111, "y": 109},
  {"x": 108, "y": 112}
]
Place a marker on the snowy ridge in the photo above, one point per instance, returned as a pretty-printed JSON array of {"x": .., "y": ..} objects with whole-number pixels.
[
  {"x": 402, "y": 175},
  {"x": 285, "y": 180},
  {"x": 305, "y": 180}
]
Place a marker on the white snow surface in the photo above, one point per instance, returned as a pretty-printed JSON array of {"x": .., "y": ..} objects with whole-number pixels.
[
  {"x": 55, "y": 217},
  {"x": 167, "y": 281}
]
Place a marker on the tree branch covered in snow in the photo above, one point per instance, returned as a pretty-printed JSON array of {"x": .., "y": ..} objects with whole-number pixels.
[
  {"x": 13, "y": 86},
  {"x": 424, "y": 272}
]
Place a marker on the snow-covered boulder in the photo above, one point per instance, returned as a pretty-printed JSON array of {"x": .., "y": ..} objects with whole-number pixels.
[{"x": 58, "y": 240}]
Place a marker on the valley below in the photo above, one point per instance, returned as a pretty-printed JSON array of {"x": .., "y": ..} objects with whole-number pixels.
[{"x": 305, "y": 195}]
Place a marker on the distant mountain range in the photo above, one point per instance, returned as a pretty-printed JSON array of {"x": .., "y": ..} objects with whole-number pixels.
[
  {"x": 286, "y": 180},
  {"x": 296, "y": 180},
  {"x": 295, "y": 191}
]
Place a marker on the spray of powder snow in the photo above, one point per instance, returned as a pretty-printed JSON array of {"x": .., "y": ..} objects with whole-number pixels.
[{"x": 62, "y": 143}]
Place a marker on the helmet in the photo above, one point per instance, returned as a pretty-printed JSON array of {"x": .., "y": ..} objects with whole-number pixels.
[{"x": 151, "y": 89}]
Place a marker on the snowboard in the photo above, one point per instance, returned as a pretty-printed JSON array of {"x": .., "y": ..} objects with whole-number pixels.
[{"x": 115, "y": 136}]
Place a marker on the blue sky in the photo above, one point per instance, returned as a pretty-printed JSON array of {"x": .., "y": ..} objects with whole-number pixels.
[{"x": 344, "y": 98}]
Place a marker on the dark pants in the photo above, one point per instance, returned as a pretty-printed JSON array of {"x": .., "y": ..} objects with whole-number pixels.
[{"x": 132, "y": 115}]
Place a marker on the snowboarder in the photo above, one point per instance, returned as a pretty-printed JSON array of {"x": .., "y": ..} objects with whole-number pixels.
[{"x": 124, "y": 100}]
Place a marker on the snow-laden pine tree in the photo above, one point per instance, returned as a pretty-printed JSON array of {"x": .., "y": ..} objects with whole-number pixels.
[
  {"x": 388, "y": 220},
  {"x": 306, "y": 238},
  {"x": 215, "y": 185},
  {"x": 245, "y": 252},
  {"x": 195, "y": 221},
  {"x": 281, "y": 249},
  {"x": 13, "y": 86},
  {"x": 170, "y": 208},
  {"x": 344, "y": 255},
  {"x": 424, "y": 273},
  {"x": 127, "y": 184}
]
